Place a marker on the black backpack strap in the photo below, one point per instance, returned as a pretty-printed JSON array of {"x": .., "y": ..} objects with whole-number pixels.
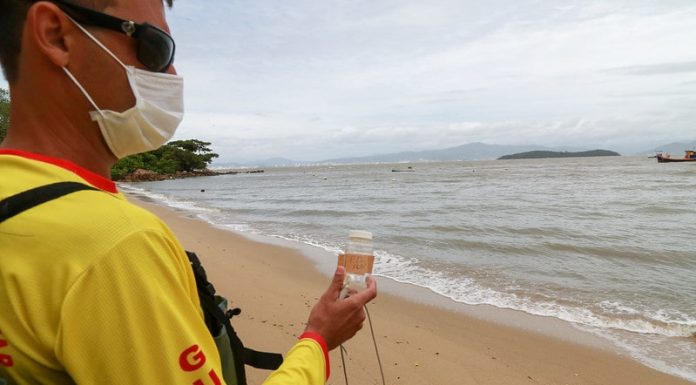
[
  {"x": 11, "y": 206},
  {"x": 262, "y": 360},
  {"x": 216, "y": 318}
]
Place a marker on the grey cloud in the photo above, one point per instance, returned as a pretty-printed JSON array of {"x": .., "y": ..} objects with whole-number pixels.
[{"x": 655, "y": 69}]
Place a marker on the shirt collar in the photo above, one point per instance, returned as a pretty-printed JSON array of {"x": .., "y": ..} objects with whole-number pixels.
[{"x": 90, "y": 177}]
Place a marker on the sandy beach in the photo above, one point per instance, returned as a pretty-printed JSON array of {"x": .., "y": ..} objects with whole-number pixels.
[{"x": 276, "y": 286}]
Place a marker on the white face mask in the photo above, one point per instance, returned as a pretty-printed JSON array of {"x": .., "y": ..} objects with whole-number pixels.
[{"x": 158, "y": 110}]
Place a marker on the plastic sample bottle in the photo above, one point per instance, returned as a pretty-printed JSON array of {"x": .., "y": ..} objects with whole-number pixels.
[{"x": 358, "y": 260}]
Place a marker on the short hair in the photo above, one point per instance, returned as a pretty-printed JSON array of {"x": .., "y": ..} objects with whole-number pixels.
[{"x": 13, "y": 14}]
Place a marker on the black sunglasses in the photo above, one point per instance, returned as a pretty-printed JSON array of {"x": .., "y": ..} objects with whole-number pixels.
[{"x": 155, "y": 47}]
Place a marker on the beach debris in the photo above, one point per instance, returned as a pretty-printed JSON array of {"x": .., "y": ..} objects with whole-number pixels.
[
  {"x": 202, "y": 190},
  {"x": 417, "y": 364}
]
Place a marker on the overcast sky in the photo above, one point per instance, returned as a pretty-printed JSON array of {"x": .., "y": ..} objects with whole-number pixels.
[{"x": 317, "y": 79}]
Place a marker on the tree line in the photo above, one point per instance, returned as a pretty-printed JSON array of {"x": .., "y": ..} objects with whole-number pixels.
[{"x": 176, "y": 156}]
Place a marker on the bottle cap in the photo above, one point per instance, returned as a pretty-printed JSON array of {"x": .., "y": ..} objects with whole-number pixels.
[{"x": 360, "y": 234}]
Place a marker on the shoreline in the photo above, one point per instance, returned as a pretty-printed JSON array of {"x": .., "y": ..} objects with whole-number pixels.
[
  {"x": 324, "y": 262},
  {"x": 144, "y": 175},
  {"x": 422, "y": 340}
]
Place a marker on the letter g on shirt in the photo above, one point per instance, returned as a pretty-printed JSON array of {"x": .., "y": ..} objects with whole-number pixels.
[{"x": 192, "y": 359}]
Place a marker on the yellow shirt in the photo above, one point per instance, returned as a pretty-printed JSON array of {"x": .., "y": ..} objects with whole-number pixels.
[{"x": 95, "y": 290}]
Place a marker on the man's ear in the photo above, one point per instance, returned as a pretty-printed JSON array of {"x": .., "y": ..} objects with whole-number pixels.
[{"x": 51, "y": 31}]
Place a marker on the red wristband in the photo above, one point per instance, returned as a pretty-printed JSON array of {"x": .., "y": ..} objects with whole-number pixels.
[{"x": 322, "y": 342}]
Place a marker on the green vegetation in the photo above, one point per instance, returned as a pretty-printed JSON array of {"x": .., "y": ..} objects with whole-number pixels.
[
  {"x": 176, "y": 156},
  {"x": 555, "y": 154},
  {"x": 4, "y": 112}
]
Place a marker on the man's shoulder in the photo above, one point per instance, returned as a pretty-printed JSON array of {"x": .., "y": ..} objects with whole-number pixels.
[
  {"x": 90, "y": 221},
  {"x": 110, "y": 217},
  {"x": 86, "y": 220}
]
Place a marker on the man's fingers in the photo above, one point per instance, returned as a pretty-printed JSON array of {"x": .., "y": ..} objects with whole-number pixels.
[
  {"x": 369, "y": 280},
  {"x": 337, "y": 282},
  {"x": 367, "y": 295}
]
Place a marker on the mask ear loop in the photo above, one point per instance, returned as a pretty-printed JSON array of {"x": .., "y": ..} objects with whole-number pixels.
[
  {"x": 102, "y": 46},
  {"x": 70, "y": 75},
  {"x": 97, "y": 42}
]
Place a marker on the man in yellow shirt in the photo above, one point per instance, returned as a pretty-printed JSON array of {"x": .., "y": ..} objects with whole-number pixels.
[{"x": 94, "y": 290}]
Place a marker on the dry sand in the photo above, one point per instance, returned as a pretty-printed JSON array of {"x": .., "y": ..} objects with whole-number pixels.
[{"x": 420, "y": 344}]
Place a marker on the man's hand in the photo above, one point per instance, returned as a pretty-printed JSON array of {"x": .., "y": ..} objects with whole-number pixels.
[{"x": 336, "y": 319}]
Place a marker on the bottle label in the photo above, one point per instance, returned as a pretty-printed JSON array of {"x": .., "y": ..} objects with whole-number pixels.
[{"x": 359, "y": 264}]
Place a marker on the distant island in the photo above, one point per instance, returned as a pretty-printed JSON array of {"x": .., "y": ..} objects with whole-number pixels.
[{"x": 557, "y": 154}]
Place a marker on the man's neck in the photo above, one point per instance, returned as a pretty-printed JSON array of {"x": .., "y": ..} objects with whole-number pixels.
[
  {"x": 43, "y": 127},
  {"x": 84, "y": 157}
]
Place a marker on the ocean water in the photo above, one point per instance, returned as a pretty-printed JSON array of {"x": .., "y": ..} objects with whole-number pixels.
[{"x": 607, "y": 244}]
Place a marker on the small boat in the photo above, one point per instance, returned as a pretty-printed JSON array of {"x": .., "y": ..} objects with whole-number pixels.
[
  {"x": 409, "y": 169},
  {"x": 689, "y": 156}
]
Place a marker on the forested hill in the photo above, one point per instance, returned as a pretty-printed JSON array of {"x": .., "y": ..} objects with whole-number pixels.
[{"x": 563, "y": 154}]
